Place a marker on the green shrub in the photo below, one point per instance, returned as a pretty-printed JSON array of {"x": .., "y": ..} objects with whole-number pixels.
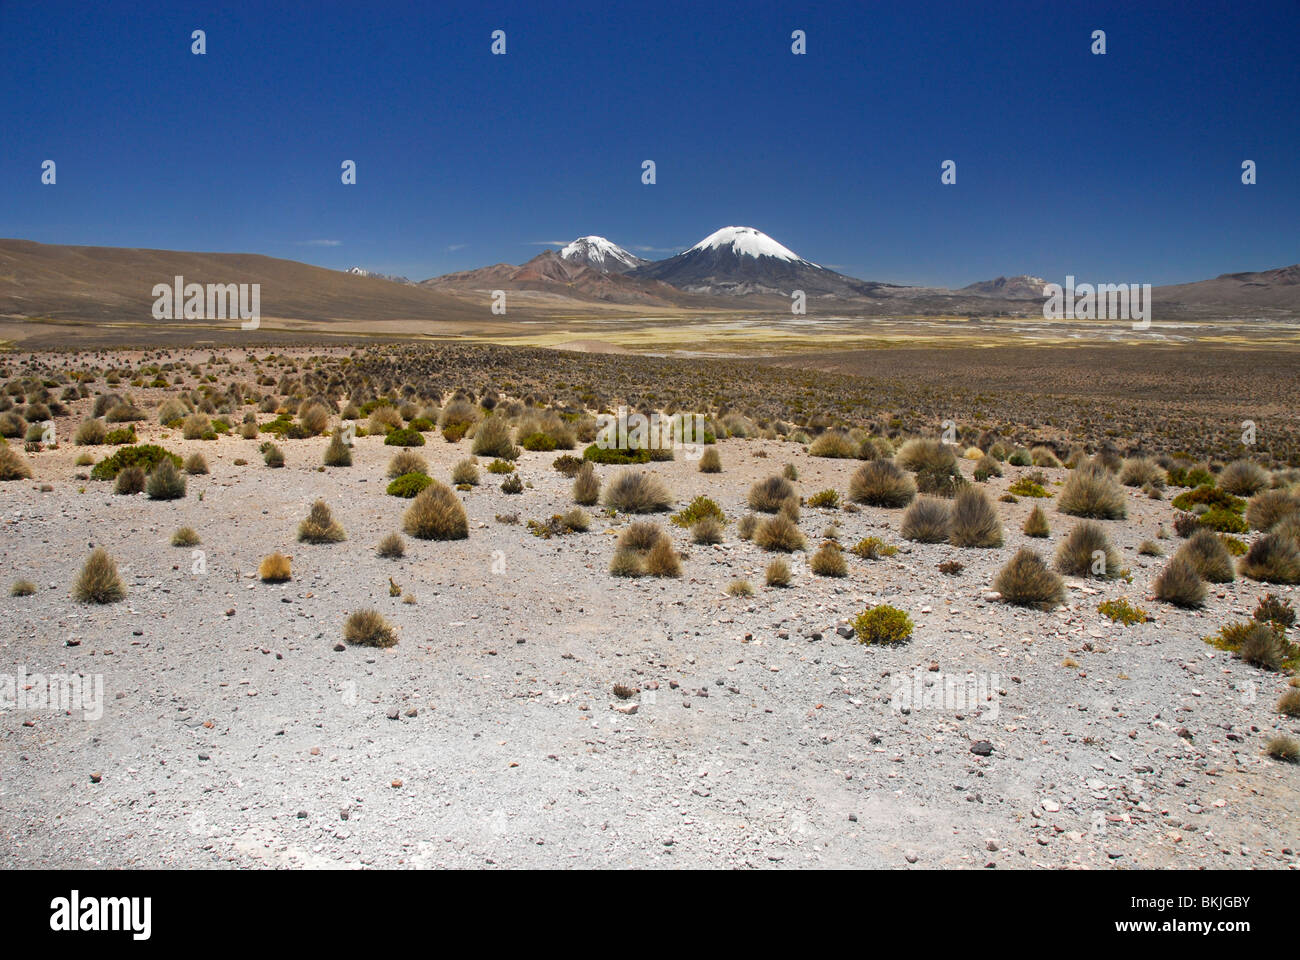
[
  {"x": 1025, "y": 487},
  {"x": 825, "y": 498},
  {"x": 145, "y": 456},
  {"x": 408, "y": 485},
  {"x": 697, "y": 510},
  {"x": 613, "y": 455},
  {"x": 1210, "y": 497},
  {"x": 883, "y": 624},
  {"x": 538, "y": 442},
  {"x": 500, "y": 467},
  {"x": 1121, "y": 611},
  {"x": 404, "y": 437},
  {"x": 873, "y": 548}
]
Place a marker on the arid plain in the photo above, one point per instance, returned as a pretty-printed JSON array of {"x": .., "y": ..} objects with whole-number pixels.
[{"x": 831, "y": 651}]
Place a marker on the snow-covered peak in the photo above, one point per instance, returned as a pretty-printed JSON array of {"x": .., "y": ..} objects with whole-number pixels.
[
  {"x": 748, "y": 242},
  {"x": 600, "y": 253}
]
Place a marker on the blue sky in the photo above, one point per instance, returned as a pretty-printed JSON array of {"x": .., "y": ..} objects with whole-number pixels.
[{"x": 1122, "y": 168}]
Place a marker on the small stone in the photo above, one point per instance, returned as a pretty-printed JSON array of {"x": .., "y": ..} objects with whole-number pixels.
[
  {"x": 911, "y": 856},
  {"x": 981, "y": 748},
  {"x": 392, "y": 713}
]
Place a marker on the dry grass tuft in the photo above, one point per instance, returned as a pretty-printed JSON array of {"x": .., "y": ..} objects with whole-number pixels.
[
  {"x": 98, "y": 581},
  {"x": 436, "y": 514}
]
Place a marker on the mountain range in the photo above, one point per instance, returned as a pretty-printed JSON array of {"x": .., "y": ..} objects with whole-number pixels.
[{"x": 735, "y": 269}]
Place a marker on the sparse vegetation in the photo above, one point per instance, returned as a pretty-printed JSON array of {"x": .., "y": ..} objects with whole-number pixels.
[{"x": 1121, "y": 611}]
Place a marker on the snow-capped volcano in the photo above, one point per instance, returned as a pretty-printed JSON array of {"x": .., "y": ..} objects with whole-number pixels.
[
  {"x": 748, "y": 242},
  {"x": 600, "y": 254},
  {"x": 743, "y": 260}
]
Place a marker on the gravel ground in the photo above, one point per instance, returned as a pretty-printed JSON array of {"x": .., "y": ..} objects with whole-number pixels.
[{"x": 234, "y": 734}]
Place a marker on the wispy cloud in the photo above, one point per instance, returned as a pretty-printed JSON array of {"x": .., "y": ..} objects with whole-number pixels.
[
  {"x": 320, "y": 243},
  {"x": 644, "y": 249},
  {"x": 456, "y": 246},
  {"x": 547, "y": 243}
]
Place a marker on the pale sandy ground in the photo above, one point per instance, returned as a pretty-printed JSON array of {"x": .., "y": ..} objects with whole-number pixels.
[{"x": 245, "y": 740}]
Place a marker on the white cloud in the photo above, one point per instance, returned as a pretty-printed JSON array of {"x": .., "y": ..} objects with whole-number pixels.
[{"x": 320, "y": 243}]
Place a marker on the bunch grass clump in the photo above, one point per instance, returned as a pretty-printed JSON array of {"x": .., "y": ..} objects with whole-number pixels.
[
  {"x": 436, "y": 513},
  {"x": 637, "y": 491},
  {"x": 829, "y": 561},
  {"x": 777, "y": 573},
  {"x": 98, "y": 581},
  {"x": 337, "y": 452},
  {"x": 391, "y": 547},
  {"x": 586, "y": 485},
  {"x": 165, "y": 482},
  {"x": 1036, "y": 523},
  {"x": 882, "y": 483},
  {"x": 1091, "y": 491},
  {"x": 275, "y": 568},
  {"x": 1026, "y": 581},
  {"x": 320, "y": 525},
  {"x": 1087, "y": 551},
  {"x": 779, "y": 534},
  {"x": 973, "y": 520},
  {"x": 1273, "y": 558},
  {"x": 1179, "y": 584},
  {"x": 767, "y": 495},
  {"x": 368, "y": 628},
  {"x": 1244, "y": 478},
  {"x": 927, "y": 520},
  {"x": 1209, "y": 556}
]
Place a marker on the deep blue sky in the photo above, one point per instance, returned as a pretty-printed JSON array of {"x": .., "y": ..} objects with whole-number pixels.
[{"x": 1121, "y": 168}]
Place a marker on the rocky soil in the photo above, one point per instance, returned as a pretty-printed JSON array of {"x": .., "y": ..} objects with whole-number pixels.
[{"x": 237, "y": 731}]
